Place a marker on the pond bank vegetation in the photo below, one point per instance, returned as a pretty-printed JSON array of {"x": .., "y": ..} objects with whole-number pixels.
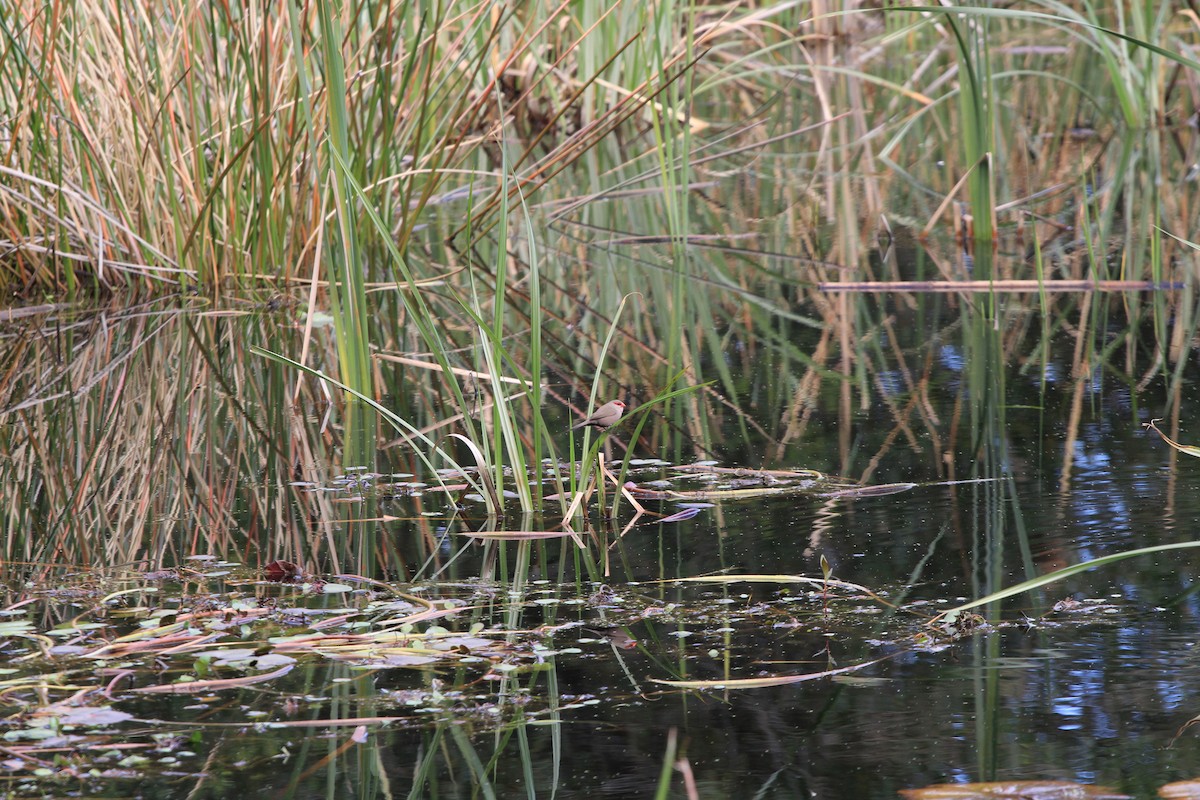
[{"x": 323, "y": 289}]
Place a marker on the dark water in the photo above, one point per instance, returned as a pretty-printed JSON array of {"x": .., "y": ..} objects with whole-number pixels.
[{"x": 1017, "y": 477}]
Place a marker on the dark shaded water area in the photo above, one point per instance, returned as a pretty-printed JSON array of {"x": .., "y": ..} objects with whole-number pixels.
[{"x": 171, "y": 442}]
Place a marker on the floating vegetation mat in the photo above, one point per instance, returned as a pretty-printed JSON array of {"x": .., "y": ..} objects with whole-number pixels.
[{"x": 116, "y": 676}]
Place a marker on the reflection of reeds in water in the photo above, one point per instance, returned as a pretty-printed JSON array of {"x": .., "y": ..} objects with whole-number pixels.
[
  {"x": 145, "y": 436},
  {"x": 157, "y": 427}
]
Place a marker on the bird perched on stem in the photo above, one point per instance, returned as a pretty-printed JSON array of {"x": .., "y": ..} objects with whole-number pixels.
[{"x": 603, "y": 417}]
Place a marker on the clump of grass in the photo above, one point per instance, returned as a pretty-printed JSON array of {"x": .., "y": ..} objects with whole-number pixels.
[{"x": 479, "y": 191}]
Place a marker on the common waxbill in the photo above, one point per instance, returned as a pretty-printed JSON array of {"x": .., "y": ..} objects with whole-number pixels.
[{"x": 604, "y": 416}]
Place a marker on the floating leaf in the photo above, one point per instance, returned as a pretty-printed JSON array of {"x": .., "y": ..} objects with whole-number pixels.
[
  {"x": 1013, "y": 790},
  {"x": 69, "y": 631},
  {"x": 1190, "y": 449},
  {"x": 516, "y": 535},
  {"x": 1180, "y": 790},
  {"x": 233, "y": 655},
  {"x": 872, "y": 491},
  {"x": 29, "y": 734},
  {"x": 408, "y": 659},
  {"x": 192, "y": 687},
  {"x": 761, "y": 683},
  {"x": 273, "y": 660},
  {"x": 861, "y": 681},
  {"x": 92, "y": 717},
  {"x": 16, "y": 627}
]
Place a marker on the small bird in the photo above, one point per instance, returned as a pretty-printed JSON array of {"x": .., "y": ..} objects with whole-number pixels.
[{"x": 604, "y": 416}]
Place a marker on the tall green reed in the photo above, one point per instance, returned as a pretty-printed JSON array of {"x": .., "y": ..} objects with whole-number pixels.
[
  {"x": 976, "y": 99},
  {"x": 347, "y": 294}
]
